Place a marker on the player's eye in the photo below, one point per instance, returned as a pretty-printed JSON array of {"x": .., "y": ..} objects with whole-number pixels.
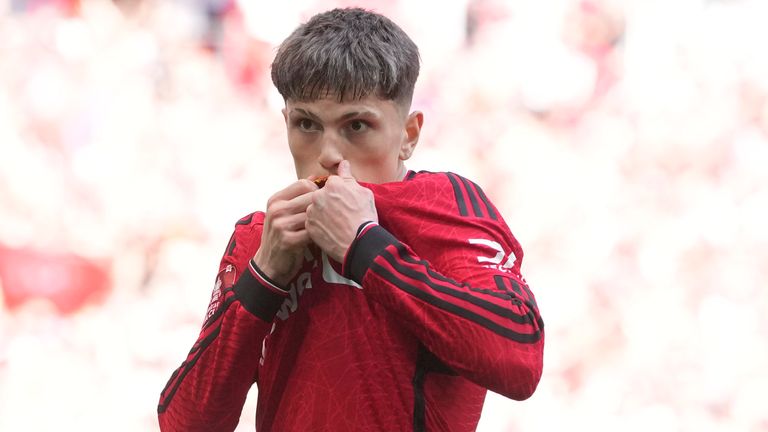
[
  {"x": 306, "y": 125},
  {"x": 358, "y": 126}
]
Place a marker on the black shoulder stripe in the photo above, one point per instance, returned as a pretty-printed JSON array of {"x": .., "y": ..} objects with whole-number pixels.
[
  {"x": 246, "y": 220},
  {"x": 435, "y": 275},
  {"x": 456, "y": 310},
  {"x": 173, "y": 377},
  {"x": 459, "y": 195},
  {"x": 456, "y": 293},
  {"x": 477, "y": 198},
  {"x": 484, "y": 199},
  {"x": 501, "y": 283},
  {"x": 492, "y": 293},
  {"x": 530, "y": 300},
  {"x": 411, "y": 175},
  {"x": 222, "y": 308},
  {"x": 472, "y": 197},
  {"x": 186, "y": 367},
  {"x": 497, "y": 278},
  {"x": 232, "y": 244}
]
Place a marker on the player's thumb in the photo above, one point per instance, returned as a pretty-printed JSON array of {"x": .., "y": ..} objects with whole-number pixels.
[{"x": 345, "y": 170}]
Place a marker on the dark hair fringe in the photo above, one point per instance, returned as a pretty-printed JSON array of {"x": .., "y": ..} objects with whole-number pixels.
[{"x": 347, "y": 53}]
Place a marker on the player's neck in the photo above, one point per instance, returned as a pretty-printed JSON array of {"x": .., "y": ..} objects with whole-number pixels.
[{"x": 403, "y": 172}]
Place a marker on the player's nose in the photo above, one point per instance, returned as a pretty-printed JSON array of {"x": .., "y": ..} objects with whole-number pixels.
[{"x": 330, "y": 153}]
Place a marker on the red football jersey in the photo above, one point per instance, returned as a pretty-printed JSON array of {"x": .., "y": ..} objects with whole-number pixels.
[{"x": 428, "y": 311}]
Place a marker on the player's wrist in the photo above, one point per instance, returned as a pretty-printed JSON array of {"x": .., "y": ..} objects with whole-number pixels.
[
  {"x": 258, "y": 294},
  {"x": 270, "y": 271},
  {"x": 265, "y": 279},
  {"x": 356, "y": 258}
]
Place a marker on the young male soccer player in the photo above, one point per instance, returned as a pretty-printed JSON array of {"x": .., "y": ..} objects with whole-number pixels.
[{"x": 387, "y": 300}]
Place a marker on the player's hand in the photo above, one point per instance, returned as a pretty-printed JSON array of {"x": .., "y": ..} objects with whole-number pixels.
[
  {"x": 337, "y": 210},
  {"x": 284, "y": 236}
]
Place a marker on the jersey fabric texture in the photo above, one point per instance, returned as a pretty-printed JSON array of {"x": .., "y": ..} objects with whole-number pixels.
[{"x": 428, "y": 311}]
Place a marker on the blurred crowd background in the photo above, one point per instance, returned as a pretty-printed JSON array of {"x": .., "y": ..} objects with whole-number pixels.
[{"x": 626, "y": 143}]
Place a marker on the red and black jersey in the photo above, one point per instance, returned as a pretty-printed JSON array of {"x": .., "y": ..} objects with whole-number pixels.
[{"x": 428, "y": 311}]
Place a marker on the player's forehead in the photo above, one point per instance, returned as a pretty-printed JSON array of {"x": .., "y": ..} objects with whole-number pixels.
[{"x": 331, "y": 107}]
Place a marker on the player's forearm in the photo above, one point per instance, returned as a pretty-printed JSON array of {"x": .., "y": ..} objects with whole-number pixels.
[
  {"x": 493, "y": 338},
  {"x": 208, "y": 390}
]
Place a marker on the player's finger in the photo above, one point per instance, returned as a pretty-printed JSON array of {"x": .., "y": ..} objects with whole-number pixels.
[
  {"x": 293, "y": 190},
  {"x": 282, "y": 208},
  {"x": 298, "y": 238},
  {"x": 299, "y": 204},
  {"x": 344, "y": 170},
  {"x": 290, "y": 222}
]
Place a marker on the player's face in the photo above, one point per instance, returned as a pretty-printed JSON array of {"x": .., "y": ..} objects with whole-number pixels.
[{"x": 374, "y": 135}]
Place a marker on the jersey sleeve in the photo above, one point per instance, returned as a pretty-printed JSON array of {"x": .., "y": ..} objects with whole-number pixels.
[
  {"x": 449, "y": 268},
  {"x": 207, "y": 392}
]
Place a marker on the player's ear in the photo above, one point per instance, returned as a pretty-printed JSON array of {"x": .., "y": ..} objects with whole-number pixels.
[
  {"x": 412, "y": 131},
  {"x": 285, "y": 114}
]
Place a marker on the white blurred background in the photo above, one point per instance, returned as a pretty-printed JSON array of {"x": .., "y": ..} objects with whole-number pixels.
[{"x": 626, "y": 143}]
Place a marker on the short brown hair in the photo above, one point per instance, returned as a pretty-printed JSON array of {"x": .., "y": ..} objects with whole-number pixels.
[{"x": 349, "y": 53}]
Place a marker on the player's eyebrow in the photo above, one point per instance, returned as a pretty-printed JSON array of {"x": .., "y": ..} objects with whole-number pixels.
[
  {"x": 309, "y": 114},
  {"x": 362, "y": 113}
]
